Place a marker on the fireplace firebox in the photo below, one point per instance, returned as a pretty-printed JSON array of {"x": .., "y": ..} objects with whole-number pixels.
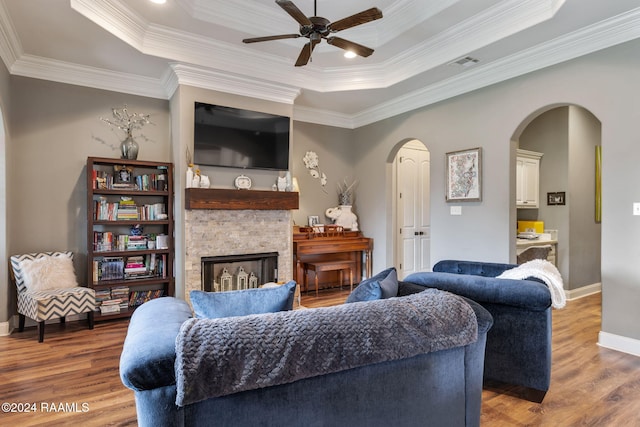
[{"x": 238, "y": 272}]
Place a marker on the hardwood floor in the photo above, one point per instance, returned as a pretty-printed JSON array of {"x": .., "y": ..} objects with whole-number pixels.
[
  {"x": 75, "y": 367},
  {"x": 78, "y": 368}
]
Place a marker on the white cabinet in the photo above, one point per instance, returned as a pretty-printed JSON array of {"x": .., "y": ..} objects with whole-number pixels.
[{"x": 527, "y": 179}]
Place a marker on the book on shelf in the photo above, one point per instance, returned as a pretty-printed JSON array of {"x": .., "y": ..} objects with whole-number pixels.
[
  {"x": 137, "y": 298},
  {"x": 102, "y": 295},
  {"x": 103, "y": 180},
  {"x": 103, "y": 241},
  {"x": 152, "y": 212},
  {"x": 119, "y": 292},
  {"x": 110, "y": 309},
  {"x": 113, "y": 300},
  {"x": 108, "y": 268},
  {"x": 105, "y": 210},
  {"x": 149, "y": 265},
  {"x": 136, "y": 242},
  {"x": 127, "y": 210},
  {"x": 110, "y": 306}
]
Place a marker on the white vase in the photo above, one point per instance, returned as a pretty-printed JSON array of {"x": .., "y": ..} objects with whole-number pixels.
[
  {"x": 189, "y": 177},
  {"x": 289, "y": 181}
]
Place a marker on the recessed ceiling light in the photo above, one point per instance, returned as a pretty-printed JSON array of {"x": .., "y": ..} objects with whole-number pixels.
[
  {"x": 349, "y": 54},
  {"x": 158, "y": 1}
]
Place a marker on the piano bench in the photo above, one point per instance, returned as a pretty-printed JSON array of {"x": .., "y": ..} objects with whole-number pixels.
[{"x": 320, "y": 266}]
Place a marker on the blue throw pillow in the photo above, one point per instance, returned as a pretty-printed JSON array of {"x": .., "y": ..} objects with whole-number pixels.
[
  {"x": 213, "y": 305},
  {"x": 382, "y": 285}
]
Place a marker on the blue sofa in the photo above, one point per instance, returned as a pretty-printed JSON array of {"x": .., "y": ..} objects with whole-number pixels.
[
  {"x": 518, "y": 350},
  {"x": 396, "y": 361}
]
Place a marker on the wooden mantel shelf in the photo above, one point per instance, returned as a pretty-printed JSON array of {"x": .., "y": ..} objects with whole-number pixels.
[{"x": 228, "y": 199}]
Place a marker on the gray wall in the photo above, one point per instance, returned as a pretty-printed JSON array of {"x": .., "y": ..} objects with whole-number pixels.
[
  {"x": 604, "y": 83},
  {"x": 6, "y": 292},
  {"x": 334, "y": 149},
  {"x": 585, "y": 232},
  {"x": 549, "y": 134},
  {"x": 54, "y": 128}
]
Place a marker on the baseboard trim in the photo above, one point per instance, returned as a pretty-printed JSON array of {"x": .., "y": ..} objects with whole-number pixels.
[
  {"x": 619, "y": 343},
  {"x": 5, "y": 328},
  {"x": 583, "y": 291}
]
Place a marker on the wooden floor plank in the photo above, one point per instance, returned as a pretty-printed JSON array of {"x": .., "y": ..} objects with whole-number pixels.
[{"x": 590, "y": 385}]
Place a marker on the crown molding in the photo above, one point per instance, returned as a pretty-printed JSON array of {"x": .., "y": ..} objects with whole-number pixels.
[
  {"x": 238, "y": 85},
  {"x": 484, "y": 28},
  {"x": 115, "y": 17},
  {"x": 10, "y": 47},
  {"x": 487, "y": 27},
  {"x": 250, "y": 16},
  {"x": 64, "y": 72},
  {"x": 322, "y": 117},
  {"x": 616, "y": 30}
]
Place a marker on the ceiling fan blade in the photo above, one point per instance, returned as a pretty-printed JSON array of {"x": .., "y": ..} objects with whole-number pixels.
[
  {"x": 356, "y": 48},
  {"x": 357, "y": 19},
  {"x": 268, "y": 38},
  {"x": 305, "y": 53},
  {"x": 295, "y": 13}
]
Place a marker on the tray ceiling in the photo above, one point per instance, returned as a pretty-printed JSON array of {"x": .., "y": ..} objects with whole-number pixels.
[{"x": 143, "y": 48}]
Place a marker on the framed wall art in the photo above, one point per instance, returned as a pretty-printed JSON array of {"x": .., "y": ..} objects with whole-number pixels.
[
  {"x": 464, "y": 175},
  {"x": 555, "y": 199}
]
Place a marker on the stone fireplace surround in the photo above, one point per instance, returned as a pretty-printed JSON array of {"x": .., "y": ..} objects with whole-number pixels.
[{"x": 216, "y": 228}]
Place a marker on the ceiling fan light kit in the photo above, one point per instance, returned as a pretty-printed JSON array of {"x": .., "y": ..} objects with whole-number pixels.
[{"x": 316, "y": 28}]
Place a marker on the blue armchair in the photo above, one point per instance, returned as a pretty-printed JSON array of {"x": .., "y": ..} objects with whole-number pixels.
[{"x": 518, "y": 348}]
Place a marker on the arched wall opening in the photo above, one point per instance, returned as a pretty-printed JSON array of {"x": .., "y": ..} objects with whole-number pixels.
[{"x": 567, "y": 136}]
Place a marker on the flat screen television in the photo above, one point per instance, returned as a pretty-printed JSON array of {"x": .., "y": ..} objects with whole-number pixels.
[{"x": 232, "y": 137}]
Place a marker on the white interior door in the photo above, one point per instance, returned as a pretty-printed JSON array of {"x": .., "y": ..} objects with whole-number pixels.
[{"x": 412, "y": 209}]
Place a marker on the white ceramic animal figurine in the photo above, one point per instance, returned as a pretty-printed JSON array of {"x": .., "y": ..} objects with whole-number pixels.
[
  {"x": 282, "y": 183},
  {"x": 342, "y": 216}
]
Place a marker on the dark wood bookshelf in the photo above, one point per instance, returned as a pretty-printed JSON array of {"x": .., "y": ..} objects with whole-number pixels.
[{"x": 158, "y": 192}]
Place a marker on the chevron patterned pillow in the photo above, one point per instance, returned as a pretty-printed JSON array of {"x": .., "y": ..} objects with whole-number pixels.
[{"x": 48, "y": 273}]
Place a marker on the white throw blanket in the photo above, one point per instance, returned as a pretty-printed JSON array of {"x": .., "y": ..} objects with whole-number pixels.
[{"x": 545, "y": 271}]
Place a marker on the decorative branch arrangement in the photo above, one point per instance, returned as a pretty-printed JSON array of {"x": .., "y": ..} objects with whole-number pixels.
[
  {"x": 127, "y": 121},
  {"x": 345, "y": 192},
  {"x": 311, "y": 162}
]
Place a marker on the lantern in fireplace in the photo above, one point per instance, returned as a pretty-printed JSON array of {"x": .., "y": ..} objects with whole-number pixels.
[
  {"x": 253, "y": 280},
  {"x": 226, "y": 281},
  {"x": 242, "y": 279}
]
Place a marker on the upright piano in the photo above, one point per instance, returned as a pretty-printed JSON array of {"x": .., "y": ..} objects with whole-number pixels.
[{"x": 345, "y": 245}]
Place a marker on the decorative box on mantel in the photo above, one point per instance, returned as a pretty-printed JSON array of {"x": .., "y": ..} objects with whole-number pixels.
[{"x": 230, "y": 199}]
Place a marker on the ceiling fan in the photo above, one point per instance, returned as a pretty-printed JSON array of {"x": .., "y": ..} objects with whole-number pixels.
[{"x": 316, "y": 28}]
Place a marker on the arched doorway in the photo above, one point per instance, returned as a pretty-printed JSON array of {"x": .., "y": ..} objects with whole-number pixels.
[
  {"x": 411, "y": 208},
  {"x": 567, "y": 136}
]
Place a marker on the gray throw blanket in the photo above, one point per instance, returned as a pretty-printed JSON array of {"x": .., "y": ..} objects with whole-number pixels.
[{"x": 216, "y": 357}]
